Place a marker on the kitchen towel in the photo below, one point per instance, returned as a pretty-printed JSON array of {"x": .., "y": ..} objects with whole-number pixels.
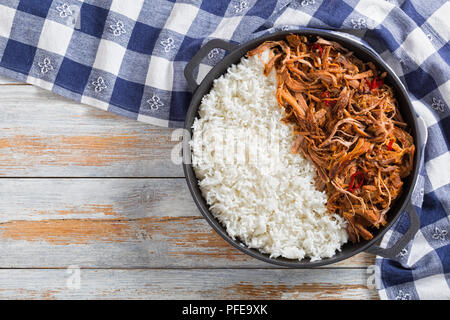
[{"x": 128, "y": 56}]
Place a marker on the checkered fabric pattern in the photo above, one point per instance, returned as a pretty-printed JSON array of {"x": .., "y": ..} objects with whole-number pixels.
[
  {"x": 128, "y": 57},
  {"x": 123, "y": 56}
]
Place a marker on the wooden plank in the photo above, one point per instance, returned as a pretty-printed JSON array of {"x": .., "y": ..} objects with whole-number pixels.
[
  {"x": 187, "y": 284},
  {"x": 118, "y": 223},
  {"x": 121, "y": 224},
  {"x": 44, "y": 135}
]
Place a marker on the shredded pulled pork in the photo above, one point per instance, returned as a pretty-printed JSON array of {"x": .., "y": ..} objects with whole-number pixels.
[{"x": 346, "y": 122}]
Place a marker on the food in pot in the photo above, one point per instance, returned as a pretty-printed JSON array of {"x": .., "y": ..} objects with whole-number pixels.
[
  {"x": 261, "y": 192},
  {"x": 346, "y": 123}
]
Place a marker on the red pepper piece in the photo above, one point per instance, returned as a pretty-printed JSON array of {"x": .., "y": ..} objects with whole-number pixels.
[
  {"x": 318, "y": 46},
  {"x": 352, "y": 181},
  {"x": 390, "y": 143},
  {"x": 327, "y": 102},
  {"x": 375, "y": 83}
]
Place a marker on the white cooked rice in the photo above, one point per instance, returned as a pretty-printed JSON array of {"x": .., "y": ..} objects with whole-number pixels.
[{"x": 261, "y": 192}]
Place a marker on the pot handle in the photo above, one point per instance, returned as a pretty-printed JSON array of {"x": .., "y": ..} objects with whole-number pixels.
[
  {"x": 198, "y": 57},
  {"x": 392, "y": 252}
]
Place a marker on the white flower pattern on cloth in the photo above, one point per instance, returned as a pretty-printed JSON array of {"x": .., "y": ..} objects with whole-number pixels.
[
  {"x": 306, "y": 3},
  {"x": 214, "y": 52},
  {"x": 439, "y": 234},
  {"x": 168, "y": 44},
  {"x": 238, "y": 8},
  {"x": 360, "y": 23},
  {"x": 99, "y": 84},
  {"x": 64, "y": 10},
  {"x": 45, "y": 65},
  {"x": 438, "y": 105},
  {"x": 402, "y": 295},
  {"x": 403, "y": 63},
  {"x": 155, "y": 102},
  {"x": 402, "y": 253},
  {"x": 118, "y": 28}
]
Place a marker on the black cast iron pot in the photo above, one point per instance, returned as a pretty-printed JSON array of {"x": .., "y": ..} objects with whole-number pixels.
[{"x": 235, "y": 53}]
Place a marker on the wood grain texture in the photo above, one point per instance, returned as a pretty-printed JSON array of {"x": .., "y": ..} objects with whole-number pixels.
[
  {"x": 44, "y": 135},
  {"x": 83, "y": 187},
  {"x": 188, "y": 284},
  {"x": 120, "y": 223}
]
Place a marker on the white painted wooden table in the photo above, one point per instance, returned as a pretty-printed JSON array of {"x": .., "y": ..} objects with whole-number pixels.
[{"x": 86, "y": 189}]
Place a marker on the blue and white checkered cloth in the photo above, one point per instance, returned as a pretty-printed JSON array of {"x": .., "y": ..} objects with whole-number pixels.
[{"x": 128, "y": 57}]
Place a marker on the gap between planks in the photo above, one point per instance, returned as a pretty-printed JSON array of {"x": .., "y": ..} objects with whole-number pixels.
[
  {"x": 10, "y": 82},
  {"x": 15, "y": 84}
]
